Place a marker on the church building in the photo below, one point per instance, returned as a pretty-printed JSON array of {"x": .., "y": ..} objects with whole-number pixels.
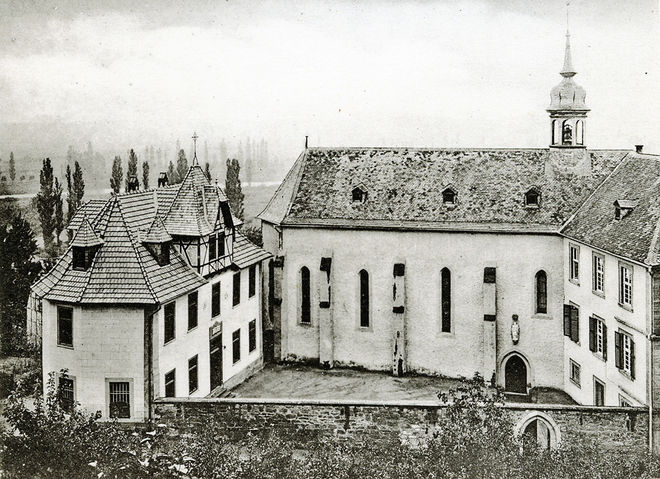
[
  {"x": 158, "y": 295},
  {"x": 535, "y": 267}
]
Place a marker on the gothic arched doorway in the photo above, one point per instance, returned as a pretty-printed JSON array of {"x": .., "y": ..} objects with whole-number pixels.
[{"x": 515, "y": 375}]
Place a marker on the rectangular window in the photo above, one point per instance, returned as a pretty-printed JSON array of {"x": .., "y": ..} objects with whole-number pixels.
[
  {"x": 572, "y": 322},
  {"x": 598, "y": 336},
  {"x": 575, "y": 373},
  {"x": 65, "y": 326},
  {"x": 79, "y": 258},
  {"x": 252, "y": 280},
  {"x": 192, "y": 310},
  {"x": 213, "y": 253},
  {"x": 119, "y": 399},
  {"x": 624, "y": 350},
  {"x": 598, "y": 274},
  {"x": 215, "y": 299},
  {"x": 192, "y": 375},
  {"x": 252, "y": 335},
  {"x": 170, "y": 322},
  {"x": 574, "y": 262},
  {"x": 221, "y": 245},
  {"x": 65, "y": 392},
  {"x": 236, "y": 289},
  {"x": 599, "y": 392},
  {"x": 625, "y": 285},
  {"x": 236, "y": 345},
  {"x": 170, "y": 384}
]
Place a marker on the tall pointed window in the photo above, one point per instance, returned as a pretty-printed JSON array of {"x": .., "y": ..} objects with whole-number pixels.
[
  {"x": 364, "y": 299},
  {"x": 541, "y": 287},
  {"x": 445, "y": 280},
  {"x": 305, "y": 302}
]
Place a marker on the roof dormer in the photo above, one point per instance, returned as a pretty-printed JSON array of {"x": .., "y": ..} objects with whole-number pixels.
[
  {"x": 533, "y": 198},
  {"x": 449, "y": 197},
  {"x": 84, "y": 246},
  {"x": 359, "y": 194},
  {"x": 623, "y": 208},
  {"x": 158, "y": 241}
]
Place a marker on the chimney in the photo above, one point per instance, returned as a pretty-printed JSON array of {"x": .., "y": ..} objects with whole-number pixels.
[
  {"x": 162, "y": 179},
  {"x": 133, "y": 184},
  {"x": 306, "y": 138},
  {"x": 639, "y": 148}
]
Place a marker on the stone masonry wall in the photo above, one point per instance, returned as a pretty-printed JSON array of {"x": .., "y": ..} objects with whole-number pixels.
[{"x": 409, "y": 422}]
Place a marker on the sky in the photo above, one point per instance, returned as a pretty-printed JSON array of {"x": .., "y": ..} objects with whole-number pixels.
[{"x": 466, "y": 73}]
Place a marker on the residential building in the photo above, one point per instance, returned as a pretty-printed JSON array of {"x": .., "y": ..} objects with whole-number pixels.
[{"x": 157, "y": 295}]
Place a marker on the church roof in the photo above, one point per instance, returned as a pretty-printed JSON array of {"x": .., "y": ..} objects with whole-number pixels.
[
  {"x": 635, "y": 184},
  {"x": 123, "y": 271},
  {"x": 404, "y": 188}
]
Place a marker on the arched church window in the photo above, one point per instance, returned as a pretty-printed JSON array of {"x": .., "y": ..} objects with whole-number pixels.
[
  {"x": 364, "y": 299},
  {"x": 445, "y": 287},
  {"x": 567, "y": 133},
  {"x": 305, "y": 295},
  {"x": 541, "y": 288},
  {"x": 579, "y": 132}
]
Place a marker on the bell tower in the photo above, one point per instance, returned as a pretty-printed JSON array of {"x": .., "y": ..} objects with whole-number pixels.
[{"x": 568, "y": 110}]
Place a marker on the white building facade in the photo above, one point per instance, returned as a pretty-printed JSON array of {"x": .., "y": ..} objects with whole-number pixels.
[{"x": 158, "y": 295}]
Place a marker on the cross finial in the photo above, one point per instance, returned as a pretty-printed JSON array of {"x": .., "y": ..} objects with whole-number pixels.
[
  {"x": 568, "y": 5},
  {"x": 194, "y": 138}
]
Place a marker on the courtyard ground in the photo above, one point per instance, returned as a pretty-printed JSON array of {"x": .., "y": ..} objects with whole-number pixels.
[{"x": 294, "y": 381}]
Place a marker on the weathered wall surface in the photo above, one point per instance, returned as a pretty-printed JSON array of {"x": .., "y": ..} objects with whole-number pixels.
[
  {"x": 517, "y": 258},
  {"x": 409, "y": 422}
]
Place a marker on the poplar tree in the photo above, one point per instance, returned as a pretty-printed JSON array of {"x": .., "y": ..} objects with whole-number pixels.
[
  {"x": 45, "y": 203},
  {"x": 145, "y": 175},
  {"x": 207, "y": 170},
  {"x": 58, "y": 211},
  {"x": 132, "y": 168},
  {"x": 233, "y": 188},
  {"x": 117, "y": 175},
  {"x": 181, "y": 166},
  {"x": 171, "y": 174},
  {"x": 12, "y": 166}
]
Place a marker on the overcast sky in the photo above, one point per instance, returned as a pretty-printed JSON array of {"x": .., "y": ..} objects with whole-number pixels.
[{"x": 420, "y": 73}]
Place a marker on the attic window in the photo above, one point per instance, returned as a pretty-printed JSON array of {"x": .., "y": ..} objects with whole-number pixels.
[
  {"x": 449, "y": 197},
  {"x": 623, "y": 208},
  {"x": 533, "y": 198},
  {"x": 82, "y": 257},
  {"x": 358, "y": 195}
]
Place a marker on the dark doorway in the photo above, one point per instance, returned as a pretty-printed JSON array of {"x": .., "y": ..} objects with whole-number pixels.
[
  {"x": 537, "y": 435},
  {"x": 215, "y": 359},
  {"x": 515, "y": 375}
]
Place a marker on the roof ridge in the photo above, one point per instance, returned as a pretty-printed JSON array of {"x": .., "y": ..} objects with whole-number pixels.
[
  {"x": 137, "y": 254},
  {"x": 588, "y": 198}
]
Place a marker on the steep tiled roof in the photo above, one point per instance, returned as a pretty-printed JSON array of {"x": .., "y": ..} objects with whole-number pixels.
[
  {"x": 247, "y": 253},
  {"x": 123, "y": 271},
  {"x": 85, "y": 236},
  {"x": 404, "y": 187},
  {"x": 636, "y": 182}
]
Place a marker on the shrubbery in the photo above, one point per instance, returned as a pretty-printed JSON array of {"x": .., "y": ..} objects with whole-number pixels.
[{"x": 475, "y": 440}]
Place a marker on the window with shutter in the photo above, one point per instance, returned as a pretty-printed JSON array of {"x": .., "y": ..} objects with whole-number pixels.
[
  {"x": 213, "y": 254},
  {"x": 236, "y": 345},
  {"x": 215, "y": 299},
  {"x": 567, "y": 320},
  {"x": 618, "y": 350},
  {"x": 592, "y": 334},
  {"x": 170, "y": 322},
  {"x": 236, "y": 289},
  {"x": 192, "y": 310},
  {"x": 575, "y": 324}
]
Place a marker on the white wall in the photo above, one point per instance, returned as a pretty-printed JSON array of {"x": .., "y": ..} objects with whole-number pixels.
[
  {"x": 108, "y": 342},
  {"x": 175, "y": 354},
  {"x": 616, "y": 318},
  {"x": 517, "y": 258}
]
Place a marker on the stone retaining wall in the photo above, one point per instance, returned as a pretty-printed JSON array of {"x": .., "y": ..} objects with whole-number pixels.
[{"x": 614, "y": 428}]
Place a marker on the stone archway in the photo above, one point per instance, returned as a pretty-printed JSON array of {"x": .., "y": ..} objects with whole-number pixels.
[
  {"x": 538, "y": 430},
  {"x": 515, "y": 375}
]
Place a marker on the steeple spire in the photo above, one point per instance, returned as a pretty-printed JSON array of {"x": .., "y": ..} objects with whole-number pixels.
[
  {"x": 568, "y": 70},
  {"x": 194, "y": 139}
]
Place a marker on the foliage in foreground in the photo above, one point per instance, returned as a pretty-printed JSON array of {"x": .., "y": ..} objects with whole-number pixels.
[{"x": 473, "y": 440}]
